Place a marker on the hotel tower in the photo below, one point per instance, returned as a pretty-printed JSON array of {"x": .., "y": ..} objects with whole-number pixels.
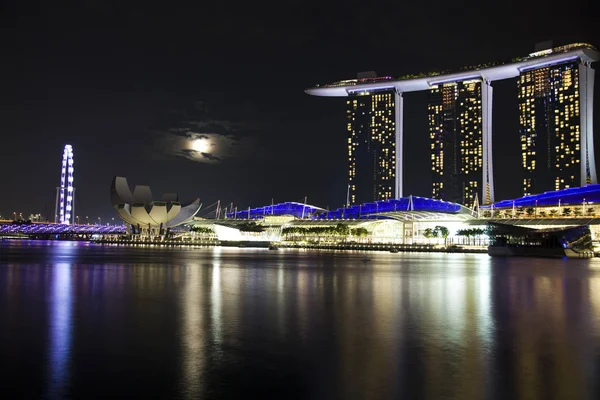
[
  {"x": 371, "y": 147},
  {"x": 555, "y": 91},
  {"x": 456, "y": 140},
  {"x": 555, "y": 153}
]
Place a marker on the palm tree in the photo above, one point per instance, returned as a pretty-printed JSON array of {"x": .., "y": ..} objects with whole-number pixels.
[
  {"x": 441, "y": 231},
  {"x": 463, "y": 233},
  {"x": 429, "y": 233}
]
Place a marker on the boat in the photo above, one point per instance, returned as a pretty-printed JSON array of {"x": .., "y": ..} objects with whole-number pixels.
[
  {"x": 510, "y": 240},
  {"x": 273, "y": 246},
  {"x": 394, "y": 250}
]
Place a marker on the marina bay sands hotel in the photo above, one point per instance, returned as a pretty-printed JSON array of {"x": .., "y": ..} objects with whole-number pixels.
[{"x": 555, "y": 88}]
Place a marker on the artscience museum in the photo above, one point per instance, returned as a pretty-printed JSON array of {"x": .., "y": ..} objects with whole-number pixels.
[{"x": 146, "y": 216}]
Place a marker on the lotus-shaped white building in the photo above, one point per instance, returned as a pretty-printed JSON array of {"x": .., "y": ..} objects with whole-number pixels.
[{"x": 143, "y": 215}]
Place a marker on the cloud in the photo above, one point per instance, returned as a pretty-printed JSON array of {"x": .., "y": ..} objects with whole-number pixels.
[
  {"x": 205, "y": 140},
  {"x": 202, "y": 132}
]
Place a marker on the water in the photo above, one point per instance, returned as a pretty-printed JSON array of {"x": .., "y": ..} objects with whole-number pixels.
[{"x": 89, "y": 321}]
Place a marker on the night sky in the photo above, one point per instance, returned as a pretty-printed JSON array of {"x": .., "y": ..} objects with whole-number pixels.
[{"x": 142, "y": 88}]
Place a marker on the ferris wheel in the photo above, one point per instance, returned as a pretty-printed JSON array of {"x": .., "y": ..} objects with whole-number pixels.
[{"x": 65, "y": 194}]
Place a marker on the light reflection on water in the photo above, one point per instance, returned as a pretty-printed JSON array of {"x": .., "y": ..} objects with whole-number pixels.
[
  {"x": 60, "y": 329},
  {"x": 59, "y": 320},
  {"x": 194, "y": 335},
  {"x": 191, "y": 323}
]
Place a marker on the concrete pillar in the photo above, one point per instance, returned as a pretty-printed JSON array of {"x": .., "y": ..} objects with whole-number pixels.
[
  {"x": 487, "y": 181},
  {"x": 586, "y": 131},
  {"x": 399, "y": 105}
]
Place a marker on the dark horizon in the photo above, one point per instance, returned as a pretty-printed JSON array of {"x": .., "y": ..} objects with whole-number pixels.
[{"x": 122, "y": 83}]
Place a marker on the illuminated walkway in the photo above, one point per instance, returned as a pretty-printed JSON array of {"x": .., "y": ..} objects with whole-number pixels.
[{"x": 59, "y": 229}]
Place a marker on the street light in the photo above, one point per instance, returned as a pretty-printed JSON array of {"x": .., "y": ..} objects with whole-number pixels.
[
  {"x": 87, "y": 222},
  {"x": 100, "y": 219},
  {"x": 77, "y": 220}
]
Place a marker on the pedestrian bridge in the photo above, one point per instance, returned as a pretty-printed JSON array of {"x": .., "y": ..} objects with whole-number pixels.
[{"x": 41, "y": 229}]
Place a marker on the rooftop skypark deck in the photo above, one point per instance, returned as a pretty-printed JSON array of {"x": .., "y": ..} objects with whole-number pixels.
[{"x": 489, "y": 71}]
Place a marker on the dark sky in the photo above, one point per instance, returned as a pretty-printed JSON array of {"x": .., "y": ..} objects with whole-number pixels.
[{"x": 125, "y": 81}]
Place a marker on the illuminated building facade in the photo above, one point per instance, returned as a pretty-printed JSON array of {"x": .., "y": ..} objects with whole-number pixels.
[
  {"x": 554, "y": 156},
  {"x": 472, "y": 155},
  {"x": 455, "y": 130},
  {"x": 371, "y": 147}
]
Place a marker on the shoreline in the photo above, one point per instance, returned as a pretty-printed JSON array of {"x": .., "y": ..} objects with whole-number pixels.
[
  {"x": 381, "y": 247},
  {"x": 387, "y": 247},
  {"x": 393, "y": 248}
]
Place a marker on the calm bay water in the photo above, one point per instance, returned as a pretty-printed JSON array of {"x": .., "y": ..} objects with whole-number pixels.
[{"x": 90, "y": 321}]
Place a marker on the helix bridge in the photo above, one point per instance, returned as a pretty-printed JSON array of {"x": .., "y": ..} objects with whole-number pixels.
[{"x": 49, "y": 229}]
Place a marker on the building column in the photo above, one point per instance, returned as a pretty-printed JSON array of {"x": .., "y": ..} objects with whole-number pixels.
[
  {"x": 586, "y": 115},
  {"x": 487, "y": 169},
  {"x": 398, "y": 109}
]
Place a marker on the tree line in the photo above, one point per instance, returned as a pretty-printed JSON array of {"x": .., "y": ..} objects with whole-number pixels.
[
  {"x": 531, "y": 212},
  {"x": 337, "y": 230}
]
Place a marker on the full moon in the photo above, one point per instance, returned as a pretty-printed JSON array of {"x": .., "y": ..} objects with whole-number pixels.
[{"x": 201, "y": 145}]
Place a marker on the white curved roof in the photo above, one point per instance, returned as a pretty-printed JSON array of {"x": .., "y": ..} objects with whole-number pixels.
[
  {"x": 139, "y": 209},
  {"x": 498, "y": 72}
]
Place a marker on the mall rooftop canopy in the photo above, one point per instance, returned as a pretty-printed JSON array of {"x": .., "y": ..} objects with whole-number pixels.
[
  {"x": 298, "y": 210},
  {"x": 571, "y": 196},
  {"x": 373, "y": 210},
  {"x": 408, "y": 204}
]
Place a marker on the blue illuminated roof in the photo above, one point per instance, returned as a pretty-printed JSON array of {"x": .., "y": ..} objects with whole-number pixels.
[
  {"x": 589, "y": 193},
  {"x": 365, "y": 210},
  {"x": 298, "y": 210},
  {"x": 411, "y": 203}
]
